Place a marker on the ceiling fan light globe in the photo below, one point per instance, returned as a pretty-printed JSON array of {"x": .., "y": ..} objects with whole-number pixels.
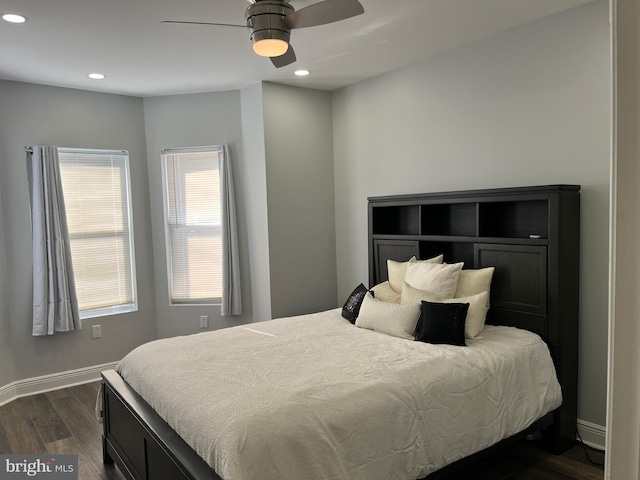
[{"x": 270, "y": 47}]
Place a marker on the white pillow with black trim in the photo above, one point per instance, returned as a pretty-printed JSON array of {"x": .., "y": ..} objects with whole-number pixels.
[{"x": 389, "y": 318}]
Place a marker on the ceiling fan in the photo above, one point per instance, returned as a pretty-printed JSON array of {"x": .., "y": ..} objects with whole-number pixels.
[{"x": 271, "y": 21}]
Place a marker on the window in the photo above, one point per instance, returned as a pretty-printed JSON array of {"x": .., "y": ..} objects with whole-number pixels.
[
  {"x": 193, "y": 224},
  {"x": 97, "y": 198}
]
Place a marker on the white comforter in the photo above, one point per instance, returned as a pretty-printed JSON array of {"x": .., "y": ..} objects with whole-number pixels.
[{"x": 314, "y": 397}]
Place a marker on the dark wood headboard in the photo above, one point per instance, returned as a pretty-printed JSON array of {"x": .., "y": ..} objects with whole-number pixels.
[{"x": 531, "y": 235}]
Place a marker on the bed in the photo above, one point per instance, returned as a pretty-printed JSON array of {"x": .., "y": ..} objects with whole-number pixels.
[{"x": 153, "y": 419}]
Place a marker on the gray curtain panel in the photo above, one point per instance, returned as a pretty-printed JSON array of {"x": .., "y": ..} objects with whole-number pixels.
[
  {"x": 231, "y": 295},
  {"x": 55, "y": 305}
]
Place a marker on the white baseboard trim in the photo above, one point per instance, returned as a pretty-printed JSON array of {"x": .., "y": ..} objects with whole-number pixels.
[
  {"x": 592, "y": 434},
  {"x": 54, "y": 381}
]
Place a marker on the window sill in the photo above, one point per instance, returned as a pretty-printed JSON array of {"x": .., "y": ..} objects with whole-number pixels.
[{"x": 103, "y": 312}]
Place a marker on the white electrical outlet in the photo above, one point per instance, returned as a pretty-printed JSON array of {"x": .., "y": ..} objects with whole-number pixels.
[
  {"x": 204, "y": 321},
  {"x": 96, "y": 331}
]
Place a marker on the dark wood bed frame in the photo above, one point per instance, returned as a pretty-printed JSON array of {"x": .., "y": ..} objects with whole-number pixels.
[{"x": 531, "y": 236}]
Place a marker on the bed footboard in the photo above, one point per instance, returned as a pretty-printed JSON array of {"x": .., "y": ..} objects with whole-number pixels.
[{"x": 140, "y": 443}]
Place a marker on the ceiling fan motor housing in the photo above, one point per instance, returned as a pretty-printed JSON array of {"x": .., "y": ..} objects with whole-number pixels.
[{"x": 264, "y": 18}]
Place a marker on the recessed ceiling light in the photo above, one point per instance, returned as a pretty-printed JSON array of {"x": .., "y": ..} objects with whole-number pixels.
[
  {"x": 302, "y": 73},
  {"x": 97, "y": 76},
  {"x": 13, "y": 18}
]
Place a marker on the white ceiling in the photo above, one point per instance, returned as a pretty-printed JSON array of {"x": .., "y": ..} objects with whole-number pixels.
[{"x": 64, "y": 40}]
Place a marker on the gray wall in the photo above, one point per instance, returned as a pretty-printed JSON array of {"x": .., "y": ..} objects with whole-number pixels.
[
  {"x": 281, "y": 142},
  {"x": 191, "y": 121},
  {"x": 39, "y": 115},
  {"x": 298, "y": 178},
  {"x": 7, "y": 369},
  {"x": 530, "y": 106},
  {"x": 253, "y": 171},
  {"x": 302, "y": 243}
]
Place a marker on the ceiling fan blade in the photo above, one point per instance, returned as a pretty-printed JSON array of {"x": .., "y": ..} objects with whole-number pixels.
[
  {"x": 321, "y": 13},
  {"x": 283, "y": 60},
  {"x": 206, "y": 23}
]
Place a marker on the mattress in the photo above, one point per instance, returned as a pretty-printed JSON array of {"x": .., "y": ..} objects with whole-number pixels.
[{"x": 315, "y": 397}]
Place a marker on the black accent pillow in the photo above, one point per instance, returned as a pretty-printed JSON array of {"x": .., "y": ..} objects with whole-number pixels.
[
  {"x": 351, "y": 307},
  {"x": 442, "y": 323}
]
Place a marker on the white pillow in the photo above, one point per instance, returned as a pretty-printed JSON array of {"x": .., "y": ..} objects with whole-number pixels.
[
  {"x": 384, "y": 292},
  {"x": 472, "y": 282},
  {"x": 441, "y": 279},
  {"x": 397, "y": 270},
  {"x": 476, "y": 315},
  {"x": 389, "y": 318}
]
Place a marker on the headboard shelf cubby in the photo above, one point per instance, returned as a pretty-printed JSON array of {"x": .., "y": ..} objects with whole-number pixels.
[
  {"x": 514, "y": 219},
  {"x": 455, "y": 219},
  {"x": 397, "y": 220},
  {"x": 531, "y": 235}
]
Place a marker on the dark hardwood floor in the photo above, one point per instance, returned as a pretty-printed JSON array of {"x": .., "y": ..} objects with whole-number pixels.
[
  {"x": 527, "y": 460},
  {"x": 58, "y": 422},
  {"x": 63, "y": 421}
]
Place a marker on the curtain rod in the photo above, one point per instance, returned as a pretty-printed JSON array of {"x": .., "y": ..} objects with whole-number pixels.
[
  {"x": 209, "y": 148},
  {"x": 29, "y": 149}
]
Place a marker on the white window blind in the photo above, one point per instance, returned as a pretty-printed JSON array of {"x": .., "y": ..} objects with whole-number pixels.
[
  {"x": 97, "y": 197},
  {"x": 193, "y": 224}
]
